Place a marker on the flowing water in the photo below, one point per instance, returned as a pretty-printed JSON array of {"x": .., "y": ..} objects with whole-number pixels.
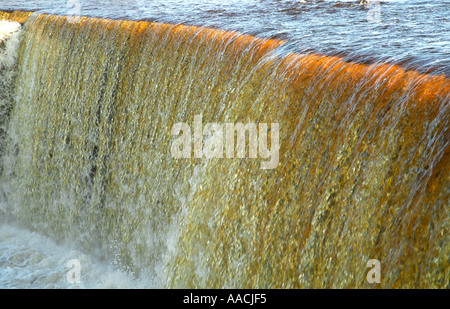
[
  {"x": 87, "y": 107},
  {"x": 413, "y": 33}
]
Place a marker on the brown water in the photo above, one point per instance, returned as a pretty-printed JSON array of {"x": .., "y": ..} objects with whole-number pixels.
[{"x": 363, "y": 170}]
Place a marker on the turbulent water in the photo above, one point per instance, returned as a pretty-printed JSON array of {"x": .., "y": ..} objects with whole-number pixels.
[
  {"x": 29, "y": 260},
  {"x": 87, "y": 111}
]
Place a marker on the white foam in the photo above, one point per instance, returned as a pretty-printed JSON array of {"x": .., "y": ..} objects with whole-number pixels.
[
  {"x": 31, "y": 261},
  {"x": 7, "y": 28},
  {"x": 9, "y": 32}
]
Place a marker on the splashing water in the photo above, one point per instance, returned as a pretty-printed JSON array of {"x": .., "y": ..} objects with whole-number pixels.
[{"x": 29, "y": 260}]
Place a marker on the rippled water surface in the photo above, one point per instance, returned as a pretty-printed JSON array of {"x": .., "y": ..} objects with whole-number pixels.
[{"x": 413, "y": 33}]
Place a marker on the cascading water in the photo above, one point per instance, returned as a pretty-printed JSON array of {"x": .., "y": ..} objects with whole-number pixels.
[
  {"x": 363, "y": 169},
  {"x": 9, "y": 41}
]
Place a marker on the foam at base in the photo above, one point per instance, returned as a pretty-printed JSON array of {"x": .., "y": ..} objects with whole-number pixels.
[{"x": 32, "y": 261}]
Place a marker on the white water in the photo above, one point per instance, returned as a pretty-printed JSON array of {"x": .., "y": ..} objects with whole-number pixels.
[
  {"x": 7, "y": 29},
  {"x": 32, "y": 261}
]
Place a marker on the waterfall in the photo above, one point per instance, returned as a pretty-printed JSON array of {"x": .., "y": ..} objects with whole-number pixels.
[
  {"x": 9, "y": 42},
  {"x": 363, "y": 161}
]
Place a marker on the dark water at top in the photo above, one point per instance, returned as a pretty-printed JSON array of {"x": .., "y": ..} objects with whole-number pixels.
[{"x": 413, "y": 33}]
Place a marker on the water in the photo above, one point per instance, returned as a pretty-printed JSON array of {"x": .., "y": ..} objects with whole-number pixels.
[
  {"x": 89, "y": 107},
  {"x": 413, "y": 33},
  {"x": 29, "y": 260}
]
